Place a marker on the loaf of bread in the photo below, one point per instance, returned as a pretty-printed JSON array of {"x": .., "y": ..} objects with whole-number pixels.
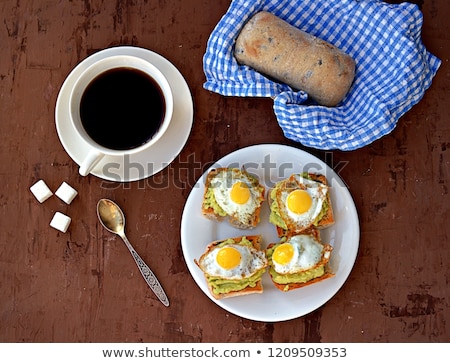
[{"x": 289, "y": 55}]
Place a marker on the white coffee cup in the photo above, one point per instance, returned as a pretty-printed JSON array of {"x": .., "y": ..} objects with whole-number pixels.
[{"x": 110, "y": 64}]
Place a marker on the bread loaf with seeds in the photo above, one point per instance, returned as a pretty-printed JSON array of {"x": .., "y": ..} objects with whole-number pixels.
[{"x": 289, "y": 55}]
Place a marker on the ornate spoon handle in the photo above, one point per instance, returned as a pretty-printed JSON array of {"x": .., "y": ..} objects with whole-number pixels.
[{"x": 148, "y": 274}]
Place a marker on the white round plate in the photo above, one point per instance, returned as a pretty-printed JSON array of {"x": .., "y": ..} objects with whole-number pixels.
[
  {"x": 152, "y": 160},
  {"x": 272, "y": 163}
]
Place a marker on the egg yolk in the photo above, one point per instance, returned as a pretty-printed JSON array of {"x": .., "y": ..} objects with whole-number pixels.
[
  {"x": 240, "y": 193},
  {"x": 283, "y": 253},
  {"x": 228, "y": 257},
  {"x": 299, "y": 201}
]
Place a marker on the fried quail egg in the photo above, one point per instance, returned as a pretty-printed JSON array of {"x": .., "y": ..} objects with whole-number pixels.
[
  {"x": 299, "y": 253},
  {"x": 236, "y": 194},
  {"x": 233, "y": 262},
  {"x": 301, "y": 203}
]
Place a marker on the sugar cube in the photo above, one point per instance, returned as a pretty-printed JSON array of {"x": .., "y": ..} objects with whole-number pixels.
[
  {"x": 66, "y": 193},
  {"x": 60, "y": 222},
  {"x": 41, "y": 191}
]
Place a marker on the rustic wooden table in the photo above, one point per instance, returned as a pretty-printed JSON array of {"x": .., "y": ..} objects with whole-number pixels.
[{"x": 83, "y": 286}]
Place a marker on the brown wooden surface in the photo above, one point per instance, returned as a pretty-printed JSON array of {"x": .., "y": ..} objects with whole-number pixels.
[{"x": 83, "y": 286}]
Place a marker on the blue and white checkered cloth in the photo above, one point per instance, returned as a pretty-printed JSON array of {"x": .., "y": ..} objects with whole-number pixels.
[{"x": 393, "y": 68}]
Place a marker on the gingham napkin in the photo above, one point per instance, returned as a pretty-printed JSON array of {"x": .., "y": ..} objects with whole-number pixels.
[{"x": 393, "y": 68}]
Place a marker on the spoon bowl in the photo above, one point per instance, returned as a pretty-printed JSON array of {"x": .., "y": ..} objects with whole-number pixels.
[
  {"x": 113, "y": 219},
  {"x": 111, "y": 216}
]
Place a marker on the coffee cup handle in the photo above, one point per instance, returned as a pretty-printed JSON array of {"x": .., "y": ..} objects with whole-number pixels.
[{"x": 89, "y": 162}]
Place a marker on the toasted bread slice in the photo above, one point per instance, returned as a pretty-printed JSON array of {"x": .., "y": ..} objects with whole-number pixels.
[
  {"x": 326, "y": 220},
  {"x": 212, "y": 209},
  {"x": 256, "y": 289},
  {"x": 292, "y": 285}
]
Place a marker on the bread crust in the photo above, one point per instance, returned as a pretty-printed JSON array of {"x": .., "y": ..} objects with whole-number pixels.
[
  {"x": 326, "y": 221},
  {"x": 275, "y": 48},
  {"x": 256, "y": 241},
  {"x": 209, "y": 212}
]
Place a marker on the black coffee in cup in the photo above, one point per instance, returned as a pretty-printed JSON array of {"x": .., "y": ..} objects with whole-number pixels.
[{"x": 122, "y": 108}]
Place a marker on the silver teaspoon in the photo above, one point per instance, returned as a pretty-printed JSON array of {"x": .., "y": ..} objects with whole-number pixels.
[{"x": 113, "y": 219}]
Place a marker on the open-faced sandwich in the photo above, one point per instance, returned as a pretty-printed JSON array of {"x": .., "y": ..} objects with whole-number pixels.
[
  {"x": 234, "y": 266},
  {"x": 298, "y": 261},
  {"x": 235, "y": 194},
  {"x": 300, "y": 202}
]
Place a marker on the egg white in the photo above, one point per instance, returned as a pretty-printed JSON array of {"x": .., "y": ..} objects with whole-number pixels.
[
  {"x": 252, "y": 261},
  {"x": 307, "y": 254},
  {"x": 222, "y": 184},
  {"x": 317, "y": 192}
]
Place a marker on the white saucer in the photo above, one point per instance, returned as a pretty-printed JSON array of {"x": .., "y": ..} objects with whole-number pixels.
[{"x": 152, "y": 160}]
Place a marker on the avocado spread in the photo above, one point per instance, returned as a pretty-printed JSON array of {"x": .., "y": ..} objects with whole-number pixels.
[
  {"x": 275, "y": 217},
  {"x": 210, "y": 202},
  {"x": 299, "y": 277},
  {"x": 223, "y": 286}
]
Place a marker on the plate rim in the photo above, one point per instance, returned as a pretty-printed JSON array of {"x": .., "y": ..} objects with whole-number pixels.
[{"x": 198, "y": 275}]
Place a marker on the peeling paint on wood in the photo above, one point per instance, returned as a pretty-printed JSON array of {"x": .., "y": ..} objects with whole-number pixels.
[{"x": 83, "y": 286}]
